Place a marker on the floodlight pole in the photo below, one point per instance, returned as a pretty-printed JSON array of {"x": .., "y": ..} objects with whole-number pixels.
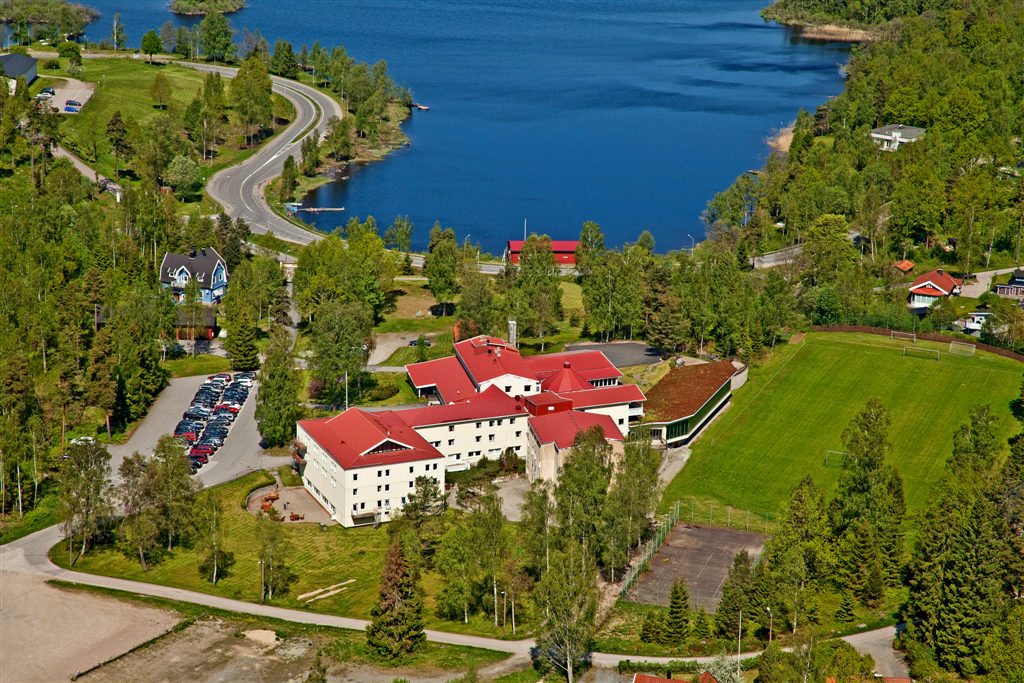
[
  {"x": 771, "y": 619},
  {"x": 504, "y": 610}
]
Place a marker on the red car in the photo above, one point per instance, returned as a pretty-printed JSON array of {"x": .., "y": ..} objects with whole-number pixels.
[
  {"x": 226, "y": 406},
  {"x": 223, "y": 375},
  {"x": 205, "y": 450}
]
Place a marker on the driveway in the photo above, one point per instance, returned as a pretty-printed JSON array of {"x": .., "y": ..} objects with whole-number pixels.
[
  {"x": 622, "y": 354},
  {"x": 983, "y": 283},
  {"x": 72, "y": 89},
  {"x": 878, "y": 644},
  {"x": 240, "y": 454}
]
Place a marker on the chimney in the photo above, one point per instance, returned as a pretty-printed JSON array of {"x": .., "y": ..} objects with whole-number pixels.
[
  {"x": 566, "y": 364},
  {"x": 939, "y": 271},
  {"x": 668, "y": 674},
  {"x": 192, "y": 254},
  {"x": 204, "y": 252}
]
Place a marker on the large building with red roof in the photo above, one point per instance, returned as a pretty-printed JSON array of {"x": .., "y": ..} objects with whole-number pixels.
[
  {"x": 361, "y": 466},
  {"x": 552, "y": 434},
  {"x": 564, "y": 251}
]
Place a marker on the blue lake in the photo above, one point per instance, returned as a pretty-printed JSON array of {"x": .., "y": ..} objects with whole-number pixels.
[{"x": 629, "y": 113}]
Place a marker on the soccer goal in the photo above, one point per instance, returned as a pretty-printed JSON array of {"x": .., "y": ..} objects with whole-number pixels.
[
  {"x": 961, "y": 348},
  {"x": 905, "y": 336},
  {"x": 917, "y": 352},
  {"x": 835, "y": 458}
]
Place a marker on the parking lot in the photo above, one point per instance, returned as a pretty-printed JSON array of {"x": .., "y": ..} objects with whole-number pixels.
[
  {"x": 240, "y": 453},
  {"x": 72, "y": 89}
]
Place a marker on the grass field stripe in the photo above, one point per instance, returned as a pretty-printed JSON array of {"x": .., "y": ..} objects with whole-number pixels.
[{"x": 766, "y": 385}]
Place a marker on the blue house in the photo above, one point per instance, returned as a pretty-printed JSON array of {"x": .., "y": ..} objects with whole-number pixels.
[{"x": 205, "y": 265}]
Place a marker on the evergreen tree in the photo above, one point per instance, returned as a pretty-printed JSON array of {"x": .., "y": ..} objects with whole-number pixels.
[
  {"x": 874, "y": 589},
  {"x": 702, "y": 625},
  {"x": 277, "y": 405},
  {"x": 244, "y": 354},
  {"x": 769, "y": 666},
  {"x": 396, "y": 622},
  {"x": 101, "y": 382},
  {"x": 845, "y": 613},
  {"x": 677, "y": 625},
  {"x": 650, "y": 631},
  {"x": 735, "y": 595}
]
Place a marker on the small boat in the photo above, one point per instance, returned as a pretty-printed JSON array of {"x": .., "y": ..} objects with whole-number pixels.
[{"x": 421, "y": 106}]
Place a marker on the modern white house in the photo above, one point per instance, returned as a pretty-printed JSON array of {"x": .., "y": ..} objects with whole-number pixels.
[{"x": 892, "y": 136}]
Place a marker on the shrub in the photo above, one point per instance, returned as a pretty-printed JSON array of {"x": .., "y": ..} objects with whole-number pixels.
[
  {"x": 381, "y": 392},
  {"x": 67, "y": 49},
  {"x": 51, "y": 64}
]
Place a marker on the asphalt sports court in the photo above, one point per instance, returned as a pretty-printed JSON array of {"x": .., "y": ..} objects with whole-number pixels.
[{"x": 700, "y": 554}]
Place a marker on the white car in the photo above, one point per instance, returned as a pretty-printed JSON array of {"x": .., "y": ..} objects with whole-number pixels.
[{"x": 82, "y": 441}]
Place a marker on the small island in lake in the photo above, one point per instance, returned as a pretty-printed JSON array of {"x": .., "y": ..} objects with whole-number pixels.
[{"x": 204, "y": 6}]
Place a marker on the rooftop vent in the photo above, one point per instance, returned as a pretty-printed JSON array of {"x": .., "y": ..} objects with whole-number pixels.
[{"x": 192, "y": 254}]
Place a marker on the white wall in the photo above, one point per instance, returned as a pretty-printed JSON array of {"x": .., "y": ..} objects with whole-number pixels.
[
  {"x": 458, "y": 440},
  {"x": 338, "y": 489},
  {"x": 618, "y": 412},
  {"x": 513, "y": 385}
]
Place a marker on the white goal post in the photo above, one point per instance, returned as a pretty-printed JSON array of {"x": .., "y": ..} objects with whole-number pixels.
[
  {"x": 908, "y": 336},
  {"x": 961, "y": 348},
  {"x": 835, "y": 456},
  {"x": 915, "y": 351}
]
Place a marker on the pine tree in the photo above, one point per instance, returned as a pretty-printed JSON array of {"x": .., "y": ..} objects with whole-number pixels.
[
  {"x": 874, "y": 589},
  {"x": 396, "y": 622},
  {"x": 845, "y": 613},
  {"x": 650, "y": 631},
  {"x": 769, "y": 666},
  {"x": 244, "y": 354},
  {"x": 677, "y": 625},
  {"x": 702, "y": 625},
  {"x": 735, "y": 595},
  {"x": 101, "y": 382}
]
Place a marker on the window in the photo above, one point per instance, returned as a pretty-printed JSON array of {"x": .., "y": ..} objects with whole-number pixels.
[
  {"x": 412, "y": 484},
  {"x": 517, "y": 449},
  {"x": 355, "y": 477},
  {"x": 511, "y": 420},
  {"x": 479, "y": 424},
  {"x": 426, "y": 468},
  {"x": 526, "y": 389},
  {"x": 518, "y": 434},
  {"x": 379, "y": 473},
  {"x": 362, "y": 506},
  {"x": 499, "y": 423},
  {"x": 378, "y": 488},
  {"x": 490, "y": 437},
  {"x": 435, "y": 465},
  {"x": 451, "y": 428},
  {"x": 451, "y": 442},
  {"x": 387, "y": 473},
  {"x": 435, "y": 444},
  {"x": 387, "y": 502},
  {"x": 508, "y": 390},
  {"x": 403, "y": 500},
  {"x": 355, "y": 506},
  {"x": 621, "y": 420},
  {"x": 474, "y": 453},
  {"x": 379, "y": 503},
  {"x": 355, "y": 492},
  {"x": 478, "y": 437},
  {"x": 387, "y": 487},
  {"x": 410, "y": 470},
  {"x": 490, "y": 423},
  {"x": 332, "y": 482}
]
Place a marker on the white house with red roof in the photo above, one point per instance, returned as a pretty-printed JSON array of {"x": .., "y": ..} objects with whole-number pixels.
[
  {"x": 563, "y": 250},
  {"x": 931, "y": 286},
  {"x": 362, "y": 466}
]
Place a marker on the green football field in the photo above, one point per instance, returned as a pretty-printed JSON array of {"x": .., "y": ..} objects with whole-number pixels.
[{"x": 794, "y": 408}]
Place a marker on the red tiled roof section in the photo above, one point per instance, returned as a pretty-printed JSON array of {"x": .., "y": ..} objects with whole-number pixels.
[
  {"x": 447, "y": 374},
  {"x": 561, "y": 428},
  {"x": 463, "y": 412},
  {"x": 684, "y": 390},
  {"x": 938, "y": 279},
  {"x": 647, "y": 678},
  {"x": 347, "y": 436},
  {"x": 588, "y": 364},
  {"x": 707, "y": 677},
  {"x": 905, "y": 265},
  {"x": 566, "y": 379},
  {"x": 929, "y": 291},
  {"x": 489, "y": 357},
  {"x": 516, "y": 246},
  {"x": 605, "y": 396}
]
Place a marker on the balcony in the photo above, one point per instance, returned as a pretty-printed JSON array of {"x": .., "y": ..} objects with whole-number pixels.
[{"x": 636, "y": 410}]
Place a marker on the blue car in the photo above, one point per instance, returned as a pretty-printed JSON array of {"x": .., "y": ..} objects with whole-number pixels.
[{"x": 71, "y": 110}]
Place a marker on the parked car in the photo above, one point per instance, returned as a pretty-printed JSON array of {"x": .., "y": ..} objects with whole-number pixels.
[
  {"x": 70, "y": 110},
  {"x": 415, "y": 342},
  {"x": 82, "y": 441},
  {"x": 72, "y": 103},
  {"x": 48, "y": 91}
]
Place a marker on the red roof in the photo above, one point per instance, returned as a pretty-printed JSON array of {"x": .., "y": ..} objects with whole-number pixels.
[
  {"x": 707, "y": 677},
  {"x": 463, "y": 412},
  {"x": 547, "y": 402},
  {"x": 350, "y": 437},
  {"x": 605, "y": 396},
  {"x": 905, "y": 265},
  {"x": 936, "y": 279},
  {"x": 647, "y": 678},
  {"x": 487, "y": 358},
  {"x": 446, "y": 374},
  {"x": 565, "y": 379},
  {"x": 561, "y": 428},
  {"x": 929, "y": 291},
  {"x": 684, "y": 390},
  {"x": 589, "y": 364}
]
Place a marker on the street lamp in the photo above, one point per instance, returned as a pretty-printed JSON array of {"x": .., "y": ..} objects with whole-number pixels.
[
  {"x": 691, "y": 244},
  {"x": 771, "y": 619},
  {"x": 263, "y": 583},
  {"x": 504, "y": 609}
]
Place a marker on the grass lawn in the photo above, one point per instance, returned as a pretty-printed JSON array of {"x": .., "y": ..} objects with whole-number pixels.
[
  {"x": 572, "y": 295},
  {"x": 13, "y": 527},
  {"x": 320, "y": 558},
  {"x": 198, "y": 365},
  {"x": 794, "y": 408},
  {"x": 554, "y": 342},
  {"x": 123, "y": 85},
  {"x": 440, "y": 346},
  {"x": 343, "y": 645}
]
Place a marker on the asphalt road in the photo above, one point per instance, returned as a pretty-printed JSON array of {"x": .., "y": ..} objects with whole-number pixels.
[
  {"x": 240, "y": 454},
  {"x": 240, "y": 188}
]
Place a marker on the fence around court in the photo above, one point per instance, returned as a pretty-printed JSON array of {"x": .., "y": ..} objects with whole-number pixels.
[{"x": 695, "y": 511}]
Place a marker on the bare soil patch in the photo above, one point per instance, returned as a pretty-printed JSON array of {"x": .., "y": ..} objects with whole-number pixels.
[{"x": 413, "y": 298}]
